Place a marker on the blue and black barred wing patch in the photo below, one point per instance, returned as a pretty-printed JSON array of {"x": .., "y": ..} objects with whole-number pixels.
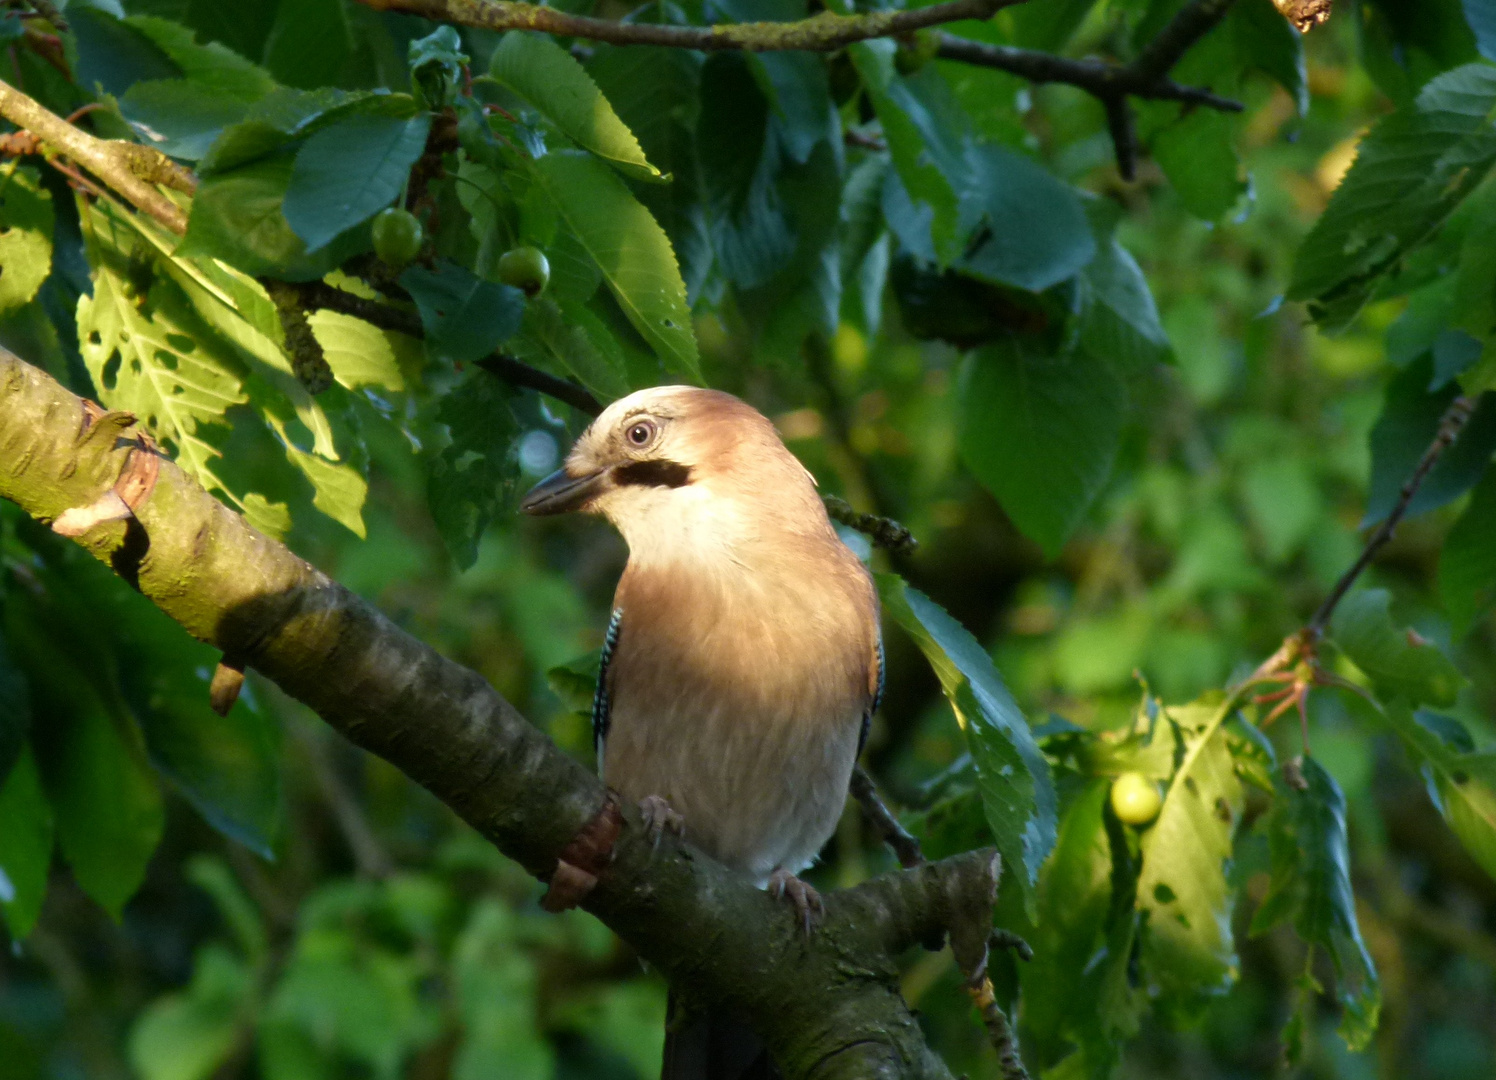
[
  {"x": 601, "y": 701},
  {"x": 867, "y": 717}
]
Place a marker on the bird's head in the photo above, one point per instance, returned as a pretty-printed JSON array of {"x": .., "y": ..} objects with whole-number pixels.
[{"x": 671, "y": 461}]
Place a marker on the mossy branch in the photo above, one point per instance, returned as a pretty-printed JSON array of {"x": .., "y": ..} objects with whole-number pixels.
[
  {"x": 823, "y": 32},
  {"x": 827, "y": 1006}
]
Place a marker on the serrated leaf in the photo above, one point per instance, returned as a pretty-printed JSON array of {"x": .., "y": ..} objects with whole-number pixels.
[
  {"x": 1120, "y": 319},
  {"x": 174, "y": 380},
  {"x": 1403, "y": 665},
  {"x": 1409, "y": 421},
  {"x": 632, "y": 250},
  {"x": 550, "y": 78},
  {"x": 1411, "y": 170},
  {"x": 1013, "y": 777},
  {"x": 479, "y": 471},
  {"x": 1311, "y": 884},
  {"x": 464, "y": 316},
  {"x": 25, "y": 236},
  {"x": 348, "y": 171},
  {"x": 359, "y": 353},
  {"x": 1040, "y": 433},
  {"x": 1188, "y": 951},
  {"x": 1467, "y": 562},
  {"x": 25, "y": 845}
]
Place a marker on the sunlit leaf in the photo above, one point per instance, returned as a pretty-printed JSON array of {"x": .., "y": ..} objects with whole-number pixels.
[
  {"x": 25, "y": 236},
  {"x": 549, "y": 78},
  {"x": 631, "y": 249},
  {"x": 1461, "y": 780}
]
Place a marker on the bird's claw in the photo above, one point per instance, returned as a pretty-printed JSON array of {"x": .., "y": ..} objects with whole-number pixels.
[
  {"x": 658, "y": 817},
  {"x": 807, "y": 901}
]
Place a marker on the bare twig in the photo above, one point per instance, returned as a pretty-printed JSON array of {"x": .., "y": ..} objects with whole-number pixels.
[
  {"x": 885, "y": 532},
  {"x": 905, "y": 847},
  {"x": 824, "y": 32},
  {"x": 1112, "y": 84},
  {"x": 998, "y": 1030},
  {"x": 1450, "y": 425}
]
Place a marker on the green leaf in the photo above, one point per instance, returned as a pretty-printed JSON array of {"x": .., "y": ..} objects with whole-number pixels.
[
  {"x": 1197, "y": 155},
  {"x": 1467, "y": 562},
  {"x": 632, "y": 250},
  {"x": 927, "y": 139},
  {"x": 349, "y": 171},
  {"x": 15, "y": 709},
  {"x": 478, "y": 471},
  {"x": 237, "y": 217},
  {"x": 25, "y": 845},
  {"x": 1311, "y": 884},
  {"x": 465, "y": 317},
  {"x": 1040, "y": 433},
  {"x": 551, "y": 79},
  {"x": 571, "y": 336},
  {"x": 1481, "y": 15},
  {"x": 359, "y": 353},
  {"x": 1119, "y": 318},
  {"x": 189, "y": 1036},
  {"x": 1409, "y": 421},
  {"x": 1461, "y": 781},
  {"x": 109, "y": 808},
  {"x": 1412, "y": 169},
  {"x": 25, "y": 236},
  {"x": 1265, "y": 40},
  {"x": 339, "y": 489},
  {"x": 309, "y": 43},
  {"x": 158, "y": 367},
  {"x": 1012, "y": 775},
  {"x": 1187, "y": 948},
  {"x": 1403, "y": 665},
  {"x": 1030, "y": 231}
]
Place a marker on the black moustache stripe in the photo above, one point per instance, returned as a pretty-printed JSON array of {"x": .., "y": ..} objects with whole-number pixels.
[{"x": 670, "y": 474}]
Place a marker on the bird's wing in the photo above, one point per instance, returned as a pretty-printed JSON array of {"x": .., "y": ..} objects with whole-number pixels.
[
  {"x": 877, "y": 681},
  {"x": 601, "y": 701}
]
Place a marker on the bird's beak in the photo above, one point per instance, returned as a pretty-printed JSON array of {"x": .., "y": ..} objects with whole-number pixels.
[{"x": 562, "y": 492}]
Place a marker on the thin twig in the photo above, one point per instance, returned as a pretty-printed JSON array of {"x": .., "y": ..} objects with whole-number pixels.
[
  {"x": 1450, "y": 425},
  {"x": 1112, "y": 84},
  {"x": 905, "y": 847},
  {"x": 823, "y": 32},
  {"x": 884, "y": 532},
  {"x": 317, "y": 294},
  {"x": 998, "y": 1030}
]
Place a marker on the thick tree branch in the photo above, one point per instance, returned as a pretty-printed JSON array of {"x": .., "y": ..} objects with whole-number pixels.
[
  {"x": 827, "y": 1006},
  {"x": 824, "y": 32},
  {"x": 128, "y": 168}
]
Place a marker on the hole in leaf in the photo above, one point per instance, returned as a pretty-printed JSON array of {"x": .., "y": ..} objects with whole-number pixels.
[
  {"x": 135, "y": 365},
  {"x": 150, "y": 422},
  {"x": 111, "y": 368},
  {"x": 1223, "y": 811},
  {"x": 1191, "y": 786},
  {"x": 166, "y": 359},
  {"x": 1183, "y": 920},
  {"x": 1163, "y": 894},
  {"x": 181, "y": 342}
]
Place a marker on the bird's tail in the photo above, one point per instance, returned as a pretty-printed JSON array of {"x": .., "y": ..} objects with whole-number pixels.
[{"x": 713, "y": 1045}]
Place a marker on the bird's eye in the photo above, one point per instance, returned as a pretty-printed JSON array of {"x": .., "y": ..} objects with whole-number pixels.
[{"x": 641, "y": 432}]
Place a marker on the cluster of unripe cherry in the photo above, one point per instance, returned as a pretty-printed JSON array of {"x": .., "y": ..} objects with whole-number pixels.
[{"x": 398, "y": 237}]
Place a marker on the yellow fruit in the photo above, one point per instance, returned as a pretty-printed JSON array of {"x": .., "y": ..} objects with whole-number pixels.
[{"x": 1135, "y": 799}]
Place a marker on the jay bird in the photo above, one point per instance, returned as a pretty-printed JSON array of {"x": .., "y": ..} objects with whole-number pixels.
[{"x": 743, "y": 660}]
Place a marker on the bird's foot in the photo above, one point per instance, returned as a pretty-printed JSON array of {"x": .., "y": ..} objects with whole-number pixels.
[
  {"x": 658, "y": 817},
  {"x": 807, "y": 901}
]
